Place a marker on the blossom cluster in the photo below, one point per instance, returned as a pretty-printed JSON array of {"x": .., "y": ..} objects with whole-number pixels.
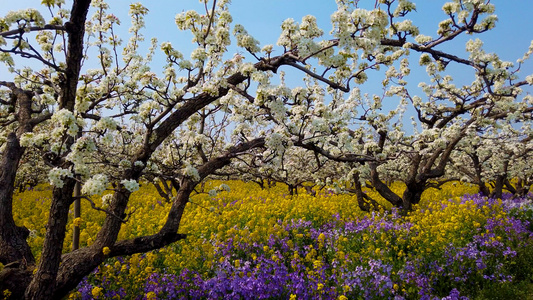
[
  {"x": 95, "y": 185},
  {"x": 56, "y": 176},
  {"x": 131, "y": 185}
]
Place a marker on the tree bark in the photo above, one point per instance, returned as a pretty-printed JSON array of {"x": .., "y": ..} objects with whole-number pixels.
[
  {"x": 13, "y": 245},
  {"x": 497, "y": 192},
  {"x": 413, "y": 194},
  {"x": 45, "y": 277},
  {"x": 293, "y": 189},
  {"x": 43, "y": 282},
  {"x": 478, "y": 170},
  {"x": 382, "y": 188},
  {"x": 15, "y": 253},
  {"x": 365, "y": 202},
  {"x": 15, "y": 278}
]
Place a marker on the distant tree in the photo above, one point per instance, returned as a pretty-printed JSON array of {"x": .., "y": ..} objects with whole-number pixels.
[{"x": 497, "y": 161}]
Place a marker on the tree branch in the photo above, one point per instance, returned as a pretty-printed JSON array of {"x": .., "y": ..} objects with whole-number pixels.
[{"x": 32, "y": 28}]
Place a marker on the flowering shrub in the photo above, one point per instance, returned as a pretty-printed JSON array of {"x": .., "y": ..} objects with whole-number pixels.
[{"x": 248, "y": 243}]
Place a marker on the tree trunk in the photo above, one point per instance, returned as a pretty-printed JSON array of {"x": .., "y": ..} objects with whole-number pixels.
[
  {"x": 41, "y": 286},
  {"x": 483, "y": 188},
  {"x": 364, "y": 201},
  {"x": 13, "y": 245},
  {"x": 260, "y": 183},
  {"x": 521, "y": 189},
  {"x": 412, "y": 194},
  {"x": 478, "y": 178},
  {"x": 43, "y": 282},
  {"x": 383, "y": 190},
  {"x": 509, "y": 186},
  {"x": 293, "y": 189},
  {"x": 497, "y": 192},
  {"x": 15, "y": 279},
  {"x": 77, "y": 264}
]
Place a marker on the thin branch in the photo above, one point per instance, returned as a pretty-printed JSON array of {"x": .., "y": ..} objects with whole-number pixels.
[
  {"x": 316, "y": 76},
  {"x": 32, "y": 28}
]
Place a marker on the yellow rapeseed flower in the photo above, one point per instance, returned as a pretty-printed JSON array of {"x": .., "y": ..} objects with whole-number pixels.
[
  {"x": 77, "y": 222},
  {"x": 97, "y": 292},
  {"x": 151, "y": 296}
]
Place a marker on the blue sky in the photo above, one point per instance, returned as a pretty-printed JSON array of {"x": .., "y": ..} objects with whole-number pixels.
[{"x": 262, "y": 18}]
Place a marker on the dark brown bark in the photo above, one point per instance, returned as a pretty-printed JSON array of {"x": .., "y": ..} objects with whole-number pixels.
[
  {"x": 167, "y": 193},
  {"x": 509, "y": 186},
  {"x": 76, "y": 31},
  {"x": 13, "y": 245},
  {"x": 497, "y": 191},
  {"x": 45, "y": 277},
  {"x": 382, "y": 188},
  {"x": 15, "y": 252},
  {"x": 293, "y": 189},
  {"x": 363, "y": 200},
  {"x": 483, "y": 188},
  {"x": 41, "y": 286},
  {"x": 478, "y": 178},
  {"x": 499, "y": 183},
  {"x": 15, "y": 278},
  {"x": 413, "y": 194}
]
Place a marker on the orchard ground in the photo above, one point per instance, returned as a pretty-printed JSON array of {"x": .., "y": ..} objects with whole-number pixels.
[{"x": 250, "y": 243}]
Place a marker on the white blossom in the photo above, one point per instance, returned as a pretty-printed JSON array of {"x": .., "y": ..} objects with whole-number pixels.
[
  {"x": 191, "y": 172},
  {"x": 95, "y": 185},
  {"x": 131, "y": 185},
  {"x": 56, "y": 175},
  {"x": 106, "y": 200}
]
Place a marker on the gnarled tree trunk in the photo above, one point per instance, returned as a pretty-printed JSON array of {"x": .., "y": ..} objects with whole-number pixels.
[
  {"x": 13, "y": 245},
  {"x": 45, "y": 277},
  {"x": 413, "y": 194}
]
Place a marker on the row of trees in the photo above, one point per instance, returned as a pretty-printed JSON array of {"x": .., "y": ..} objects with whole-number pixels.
[{"x": 94, "y": 113}]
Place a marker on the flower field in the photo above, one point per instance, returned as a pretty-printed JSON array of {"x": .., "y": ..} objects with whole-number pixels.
[{"x": 249, "y": 243}]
